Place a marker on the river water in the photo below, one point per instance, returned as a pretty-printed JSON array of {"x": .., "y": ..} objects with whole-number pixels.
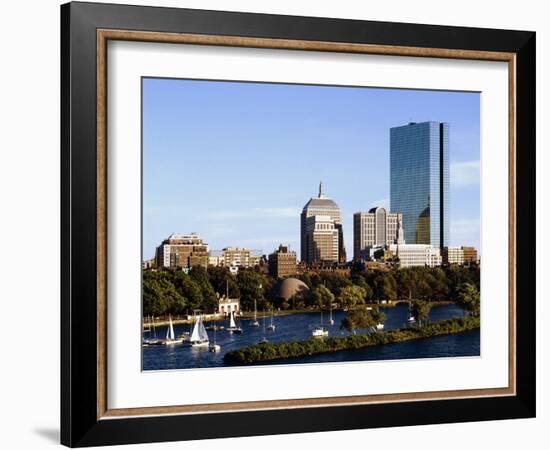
[{"x": 299, "y": 327}]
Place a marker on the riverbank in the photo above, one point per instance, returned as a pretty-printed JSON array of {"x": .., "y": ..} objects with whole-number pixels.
[
  {"x": 249, "y": 315},
  {"x": 298, "y": 349}
]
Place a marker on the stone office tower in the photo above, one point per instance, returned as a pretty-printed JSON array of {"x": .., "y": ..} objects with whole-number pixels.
[
  {"x": 419, "y": 181},
  {"x": 328, "y": 210}
]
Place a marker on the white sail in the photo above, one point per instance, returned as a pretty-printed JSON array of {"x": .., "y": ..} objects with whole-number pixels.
[
  {"x": 203, "y": 335},
  {"x": 170, "y": 332},
  {"x": 195, "y": 336},
  {"x": 232, "y": 323}
]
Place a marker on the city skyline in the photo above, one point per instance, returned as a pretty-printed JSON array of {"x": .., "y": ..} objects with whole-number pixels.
[{"x": 236, "y": 162}]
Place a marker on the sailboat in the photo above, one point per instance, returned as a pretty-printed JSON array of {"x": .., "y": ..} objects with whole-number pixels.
[
  {"x": 214, "y": 348},
  {"x": 170, "y": 335},
  {"x": 331, "y": 320},
  {"x": 150, "y": 328},
  {"x": 271, "y": 326},
  {"x": 199, "y": 336},
  {"x": 255, "y": 322},
  {"x": 233, "y": 328},
  {"x": 410, "y": 318},
  {"x": 264, "y": 339},
  {"x": 320, "y": 331}
]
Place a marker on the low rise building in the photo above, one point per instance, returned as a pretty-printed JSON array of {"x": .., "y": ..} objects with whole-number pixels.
[
  {"x": 416, "y": 255},
  {"x": 149, "y": 264},
  {"x": 453, "y": 255},
  {"x": 235, "y": 257},
  {"x": 470, "y": 255},
  {"x": 228, "y": 305},
  {"x": 182, "y": 251},
  {"x": 282, "y": 262}
]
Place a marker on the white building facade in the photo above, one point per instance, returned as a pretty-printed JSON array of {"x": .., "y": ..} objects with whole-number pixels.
[{"x": 416, "y": 255}]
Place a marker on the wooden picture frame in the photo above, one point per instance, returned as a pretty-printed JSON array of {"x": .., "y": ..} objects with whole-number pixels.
[{"x": 85, "y": 417}]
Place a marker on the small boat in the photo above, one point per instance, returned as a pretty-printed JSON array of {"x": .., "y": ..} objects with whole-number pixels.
[
  {"x": 254, "y": 323},
  {"x": 199, "y": 336},
  {"x": 214, "y": 348},
  {"x": 263, "y": 340},
  {"x": 185, "y": 336},
  {"x": 320, "y": 330},
  {"x": 170, "y": 335},
  {"x": 380, "y": 326},
  {"x": 410, "y": 318},
  {"x": 150, "y": 328},
  {"x": 233, "y": 328},
  {"x": 271, "y": 326},
  {"x": 331, "y": 320}
]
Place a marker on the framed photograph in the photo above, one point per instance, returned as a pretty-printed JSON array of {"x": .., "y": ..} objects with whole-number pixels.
[{"x": 277, "y": 224}]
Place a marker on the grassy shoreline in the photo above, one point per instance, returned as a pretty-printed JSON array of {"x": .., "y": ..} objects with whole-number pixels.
[{"x": 298, "y": 349}]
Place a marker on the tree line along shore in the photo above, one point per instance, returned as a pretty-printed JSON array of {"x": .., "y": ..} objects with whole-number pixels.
[
  {"x": 266, "y": 352},
  {"x": 174, "y": 292}
]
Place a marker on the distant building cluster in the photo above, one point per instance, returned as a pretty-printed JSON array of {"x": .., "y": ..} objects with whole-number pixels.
[
  {"x": 414, "y": 232},
  {"x": 184, "y": 251},
  {"x": 235, "y": 257}
]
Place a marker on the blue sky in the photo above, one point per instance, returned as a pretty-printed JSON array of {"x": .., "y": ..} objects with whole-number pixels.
[{"x": 236, "y": 161}]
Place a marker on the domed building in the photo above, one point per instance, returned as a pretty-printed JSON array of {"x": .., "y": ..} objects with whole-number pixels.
[
  {"x": 288, "y": 288},
  {"x": 321, "y": 233}
]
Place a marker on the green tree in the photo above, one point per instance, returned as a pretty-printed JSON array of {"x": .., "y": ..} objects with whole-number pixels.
[
  {"x": 190, "y": 289},
  {"x": 384, "y": 286},
  {"x": 421, "y": 310},
  {"x": 334, "y": 281},
  {"x": 321, "y": 297},
  {"x": 352, "y": 295},
  {"x": 160, "y": 297},
  {"x": 251, "y": 286},
  {"x": 469, "y": 298},
  {"x": 209, "y": 300},
  {"x": 362, "y": 318},
  {"x": 406, "y": 283},
  {"x": 223, "y": 281}
]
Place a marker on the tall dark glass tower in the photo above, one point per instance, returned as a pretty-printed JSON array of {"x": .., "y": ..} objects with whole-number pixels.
[{"x": 419, "y": 181}]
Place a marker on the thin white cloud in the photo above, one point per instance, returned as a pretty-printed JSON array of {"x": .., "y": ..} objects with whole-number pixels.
[
  {"x": 465, "y": 232},
  {"x": 254, "y": 213},
  {"x": 465, "y": 173}
]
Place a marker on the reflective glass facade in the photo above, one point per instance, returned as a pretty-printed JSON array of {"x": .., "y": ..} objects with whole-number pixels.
[{"x": 419, "y": 181}]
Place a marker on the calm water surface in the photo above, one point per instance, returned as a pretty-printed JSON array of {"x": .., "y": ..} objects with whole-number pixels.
[{"x": 299, "y": 327}]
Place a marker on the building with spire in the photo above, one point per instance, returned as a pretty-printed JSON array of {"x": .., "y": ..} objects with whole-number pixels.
[
  {"x": 376, "y": 228},
  {"x": 321, "y": 232}
]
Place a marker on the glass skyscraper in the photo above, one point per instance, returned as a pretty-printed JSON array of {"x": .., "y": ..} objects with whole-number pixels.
[{"x": 419, "y": 181}]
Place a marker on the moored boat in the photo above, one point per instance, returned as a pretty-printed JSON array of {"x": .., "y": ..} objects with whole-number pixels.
[
  {"x": 254, "y": 323},
  {"x": 271, "y": 326},
  {"x": 199, "y": 336},
  {"x": 170, "y": 335},
  {"x": 233, "y": 328}
]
